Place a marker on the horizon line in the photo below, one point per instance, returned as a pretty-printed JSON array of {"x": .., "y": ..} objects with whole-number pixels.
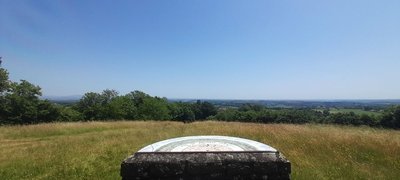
[{"x": 70, "y": 97}]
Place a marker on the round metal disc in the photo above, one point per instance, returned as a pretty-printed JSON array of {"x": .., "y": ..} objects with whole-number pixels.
[{"x": 207, "y": 144}]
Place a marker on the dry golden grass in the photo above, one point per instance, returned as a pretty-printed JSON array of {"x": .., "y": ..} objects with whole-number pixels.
[{"x": 94, "y": 150}]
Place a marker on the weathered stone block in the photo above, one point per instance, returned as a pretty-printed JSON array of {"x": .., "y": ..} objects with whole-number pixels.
[{"x": 262, "y": 163}]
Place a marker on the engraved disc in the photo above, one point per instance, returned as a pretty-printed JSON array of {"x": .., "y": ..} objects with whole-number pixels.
[{"x": 207, "y": 144}]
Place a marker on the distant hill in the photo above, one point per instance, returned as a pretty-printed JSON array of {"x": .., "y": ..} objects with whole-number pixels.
[
  {"x": 63, "y": 99},
  {"x": 345, "y": 103},
  {"x": 301, "y": 103}
]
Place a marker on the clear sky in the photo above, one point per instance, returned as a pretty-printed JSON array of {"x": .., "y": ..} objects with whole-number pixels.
[{"x": 309, "y": 49}]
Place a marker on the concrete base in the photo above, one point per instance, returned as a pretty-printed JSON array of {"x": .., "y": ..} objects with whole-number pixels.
[{"x": 206, "y": 165}]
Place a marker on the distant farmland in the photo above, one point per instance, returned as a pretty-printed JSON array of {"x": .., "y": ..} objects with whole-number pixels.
[
  {"x": 94, "y": 150},
  {"x": 356, "y": 111}
]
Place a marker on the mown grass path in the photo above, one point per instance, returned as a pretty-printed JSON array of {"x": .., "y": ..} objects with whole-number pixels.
[{"x": 94, "y": 150}]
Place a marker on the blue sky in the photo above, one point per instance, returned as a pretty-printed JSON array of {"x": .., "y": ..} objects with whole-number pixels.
[{"x": 281, "y": 49}]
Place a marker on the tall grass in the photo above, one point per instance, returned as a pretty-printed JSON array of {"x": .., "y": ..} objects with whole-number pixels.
[{"x": 94, "y": 150}]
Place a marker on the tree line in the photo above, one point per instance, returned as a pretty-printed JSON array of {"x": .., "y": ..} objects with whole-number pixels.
[
  {"x": 20, "y": 103},
  {"x": 260, "y": 114},
  {"x": 137, "y": 105}
]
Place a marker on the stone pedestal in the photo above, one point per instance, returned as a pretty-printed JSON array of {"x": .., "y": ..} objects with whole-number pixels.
[{"x": 206, "y": 157}]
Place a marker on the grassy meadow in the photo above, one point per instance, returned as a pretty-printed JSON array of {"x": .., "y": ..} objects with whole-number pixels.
[
  {"x": 356, "y": 111},
  {"x": 94, "y": 150}
]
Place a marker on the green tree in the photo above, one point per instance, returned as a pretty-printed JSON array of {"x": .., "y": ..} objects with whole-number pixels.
[
  {"x": 181, "y": 112},
  {"x": 108, "y": 95},
  {"x": 121, "y": 107},
  {"x": 368, "y": 120},
  {"x": 138, "y": 97},
  {"x": 69, "y": 114},
  {"x": 391, "y": 118},
  {"x": 154, "y": 109},
  {"x": 47, "y": 111},
  {"x": 21, "y": 103},
  {"x": 4, "y": 87},
  {"x": 4, "y": 81},
  {"x": 326, "y": 112},
  {"x": 203, "y": 110},
  {"x": 90, "y": 106},
  {"x": 227, "y": 115}
]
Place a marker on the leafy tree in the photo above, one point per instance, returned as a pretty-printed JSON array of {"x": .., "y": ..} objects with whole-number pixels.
[
  {"x": 138, "y": 97},
  {"x": 345, "y": 118},
  {"x": 21, "y": 103},
  {"x": 227, "y": 115},
  {"x": 108, "y": 95},
  {"x": 4, "y": 87},
  {"x": 266, "y": 117},
  {"x": 154, "y": 109},
  {"x": 47, "y": 111},
  {"x": 121, "y": 107},
  {"x": 391, "y": 118},
  {"x": 202, "y": 110},
  {"x": 90, "y": 106},
  {"x": 69, "y": 114},
  {"x": 4, "y": 81},
  {"x": 326, "y": 112},
  {"x": 95, "y": 106},
  {"x": 26, "y": 90},
  {"x": 181, "y": 111},
  {"x": 368, "y": 120}
]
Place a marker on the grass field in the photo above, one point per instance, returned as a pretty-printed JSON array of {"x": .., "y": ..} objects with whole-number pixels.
[
  {"x": 94, "y": 150},
  {"x": 356, "y": 111}
]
